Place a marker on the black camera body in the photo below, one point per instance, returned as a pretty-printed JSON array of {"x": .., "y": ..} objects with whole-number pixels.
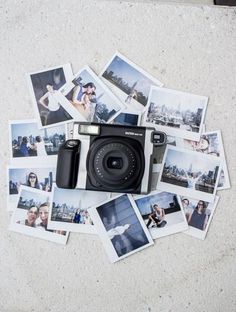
[{"x": 107, "y": 157}]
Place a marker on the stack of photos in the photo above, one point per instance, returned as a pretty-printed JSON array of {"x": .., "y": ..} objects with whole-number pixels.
[{"x": 187, "y": 171}]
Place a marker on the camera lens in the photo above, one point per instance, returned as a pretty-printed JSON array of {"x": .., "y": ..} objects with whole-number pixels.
[{"x": 115, "y": 163}]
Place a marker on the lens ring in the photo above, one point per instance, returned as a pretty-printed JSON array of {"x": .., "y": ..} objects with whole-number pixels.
[{"x": 132, "y": 162}]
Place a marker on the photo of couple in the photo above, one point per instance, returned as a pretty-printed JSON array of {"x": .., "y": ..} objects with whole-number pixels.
[{"x": 31, "y": 216}]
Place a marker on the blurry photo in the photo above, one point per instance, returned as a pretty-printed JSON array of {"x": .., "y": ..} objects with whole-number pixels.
[
  {"x": 120, "y": 227},
  {"x": 189, "y": 173},
  {"x": 131, "y": 83},
  {"x": 127, "y": 119},
  {"x": 40, "y": 177},
  {"x": 162, "y": 213},
  {"x": 198, "y": 215},
  {"x": 90, "y": 99},
  {"x": 210, "y": 143},
  {"x": 176, "y": 113},
  {"x": 69, "y": 209},
  {"x": 31, "y": 216},
  {"x": 27, "y": 140},
  {"x": 44, "y": 86}
]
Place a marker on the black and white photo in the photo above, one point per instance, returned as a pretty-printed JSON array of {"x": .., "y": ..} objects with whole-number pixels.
[{"x": 120, "y": 227}]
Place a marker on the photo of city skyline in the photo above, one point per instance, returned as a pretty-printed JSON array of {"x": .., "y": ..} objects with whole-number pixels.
[
  {"x": 129, "y": 79},
  {"x": 175, "y": 109},
  {"x": 30, "y": 198},
  {"x": 190, "y": 170},
  {"x": 52, "y": 137},
  {"x": 66, "y": 203}
]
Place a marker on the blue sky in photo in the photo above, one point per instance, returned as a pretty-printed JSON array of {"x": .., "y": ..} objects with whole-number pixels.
[
  {"x": 130, "y": 74},
  {"x": 198, "y": 161},
  {"x": 173, "y": 100},
  {"x": 56, "y": 129},
  {"x": 41, "y": 197},
  {"x": 78, "y": 198},
  {"x": 162, "y": 199},
  {"x": 25, "y": 129},
  {"x": 19, "y": 174}
]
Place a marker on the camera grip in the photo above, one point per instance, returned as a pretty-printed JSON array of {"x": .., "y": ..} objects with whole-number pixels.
[{"x": 68, "y": 164}]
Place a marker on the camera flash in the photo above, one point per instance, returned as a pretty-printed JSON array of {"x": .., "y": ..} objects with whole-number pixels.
[{"x": 89, "y": 129}]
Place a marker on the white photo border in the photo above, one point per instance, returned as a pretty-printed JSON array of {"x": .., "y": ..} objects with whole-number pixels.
[
  {"x": 110, "y": 250},
  {"x": 34, "y": 232},
  {"x": 182, "y": 190},
  {"x": 174, "y": 131}
]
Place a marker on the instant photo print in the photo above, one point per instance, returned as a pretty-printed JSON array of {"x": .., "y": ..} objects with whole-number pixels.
[
  {"x": 29, "y": 143},
  {"x": 131, "y": 83},
  {"x": 189, "y": 173},
  {"x": 44, "y": 89},
  {"x": 40, "y": 176},
  {"x": 198, "y": 214},
  {"x": 120, "y": 227},
  {"x": 31, "y": 216},
  {"x": 87, "y": 98},
  {"x": 104, "y": 157},
  {"x": 162, "y": 213},
  {"x": 176, "y": 113},
  {"x": 69, "y": 209}
]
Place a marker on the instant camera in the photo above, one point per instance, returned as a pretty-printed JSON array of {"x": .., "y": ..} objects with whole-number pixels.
[{"x": 107, "y": 157}]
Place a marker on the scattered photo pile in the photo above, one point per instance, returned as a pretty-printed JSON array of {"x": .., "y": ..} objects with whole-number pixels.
[{"x": 188, "y": 171}]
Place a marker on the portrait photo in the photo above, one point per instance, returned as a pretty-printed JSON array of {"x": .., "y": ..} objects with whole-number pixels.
[
  {"x": 162, "y": 213},
  {"x": 120, "y": 227},
  {"x": 176, "y": 113},
  {"x": 90, "y": 99},
  {"x": 189, "y": 173},
  {"x": 198, "y": 215},
  {"x": 40, "y": 177},
  {"x": 131, "y": 83},
  {"x": 44, "y": 86},
  {"x": 31, "y": 216},
  {"x": 69, "y": 209}
]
